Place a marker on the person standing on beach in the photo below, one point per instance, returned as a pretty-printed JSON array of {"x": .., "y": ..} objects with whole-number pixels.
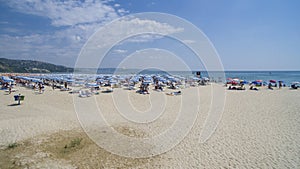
[
  {"x": 9, "y": 89},
  {"x": 40, "y": 87},
  {"x": 53, "y": 85},
  {"x": 270, "y": 86},
  {"x": 66, "y": 85},
  {"x": 280, "y": 84}
]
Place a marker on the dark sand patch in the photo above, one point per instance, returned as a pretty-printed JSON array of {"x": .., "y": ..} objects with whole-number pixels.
[{"x": 67, "y": 149}]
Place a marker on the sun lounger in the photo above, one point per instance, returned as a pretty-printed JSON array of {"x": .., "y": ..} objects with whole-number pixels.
[
  {"x": 174, "y": 93},
  {"x": 12, "y": 90},
  {"x": 88, "y": 93},
  {"x": 74, "y": 91},
  {"x": 65, "y": 89},
  {"x": 131, "y": 88},
  {"x": 107, "y": 91},
  {"x": 82, "y": 94}
]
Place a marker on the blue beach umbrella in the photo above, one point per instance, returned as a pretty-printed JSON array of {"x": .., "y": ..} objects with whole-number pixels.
[
  {"x": 244, "y": 82},
  {"x": 91, "y": 85},
  {"x": 7, "y": 79}
]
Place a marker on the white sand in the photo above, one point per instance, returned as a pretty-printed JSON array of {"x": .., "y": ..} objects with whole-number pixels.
[{"x": 257, "y": 129}]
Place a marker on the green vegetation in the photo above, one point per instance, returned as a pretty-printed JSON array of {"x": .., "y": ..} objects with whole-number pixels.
[
  {"x": 73, "y": 143},
  {"x": 12, "y": 145},
  {"x": 29, "y": 66}
]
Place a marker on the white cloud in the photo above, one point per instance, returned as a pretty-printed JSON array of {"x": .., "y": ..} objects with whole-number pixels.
[
  {"x": 122, "y": 11},
  {"x": 119, "y": 32},
  {"x": 39, "y": 47},
  {"x": 76, "y": 21},
  {"x": 129, "y": 27},
  {"x": 119, "y": 51},
  {"x": 188, "y": 41},
  {"x": 66, "y": 13},
  {"x": 148, "y": 25},
  {"x": 144, "y": 38}
]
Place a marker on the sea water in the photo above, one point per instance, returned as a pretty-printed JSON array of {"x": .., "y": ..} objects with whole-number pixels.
[{"x": 287, "y": 76}]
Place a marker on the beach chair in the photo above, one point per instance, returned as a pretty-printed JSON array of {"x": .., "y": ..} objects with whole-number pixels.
[
  {"x": 82, "y": 94},
  {"x": 74, "y": 91},
  {"x": 174, "y": 93},
  {"x": 88, "y": 93},
  {"x": 108, "y": 91},
  {"x": 19, "y": 98}
]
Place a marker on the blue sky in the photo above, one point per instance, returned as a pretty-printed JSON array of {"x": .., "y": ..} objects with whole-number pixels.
[{"x": 248, "y": 34}]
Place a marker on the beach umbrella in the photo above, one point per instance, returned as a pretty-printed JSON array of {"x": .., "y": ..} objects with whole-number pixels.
[
  {"x": 36, "y": 80},
  {"x": 91, "y": 85},
  {"x": 296, "y": 83},
  {"x": 79, "y": 82},
  {"x": 69, "y": 80},
  {"x": 7, "y": 79},
  {"x": 229, "y": 80},
  {"x": 257, "y": 83},
  {"x": 272, "y": 81},
  {"x": 100, "y": 80},
  {"x": 25, "y": 78},
  {"x": 233, "y": 82},
  {"x": 244, "y": 82},
  {"x": 146, "y": 82},
  {"x": 135, "y": 79},
  {"x": 205, "y": 78}
]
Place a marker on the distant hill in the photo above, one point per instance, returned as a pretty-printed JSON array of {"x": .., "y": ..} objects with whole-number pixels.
[{"x": 30, "y": 66}]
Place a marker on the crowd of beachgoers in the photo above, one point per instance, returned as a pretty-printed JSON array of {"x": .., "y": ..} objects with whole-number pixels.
[
  {"x": 237, "y": 84},
  {"x": 88, "y": 85}
]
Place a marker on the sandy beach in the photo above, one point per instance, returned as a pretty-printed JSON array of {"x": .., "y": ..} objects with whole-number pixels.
[
  {"x": 258, "y": 129},
  {"x": 111, "y": 84}
]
